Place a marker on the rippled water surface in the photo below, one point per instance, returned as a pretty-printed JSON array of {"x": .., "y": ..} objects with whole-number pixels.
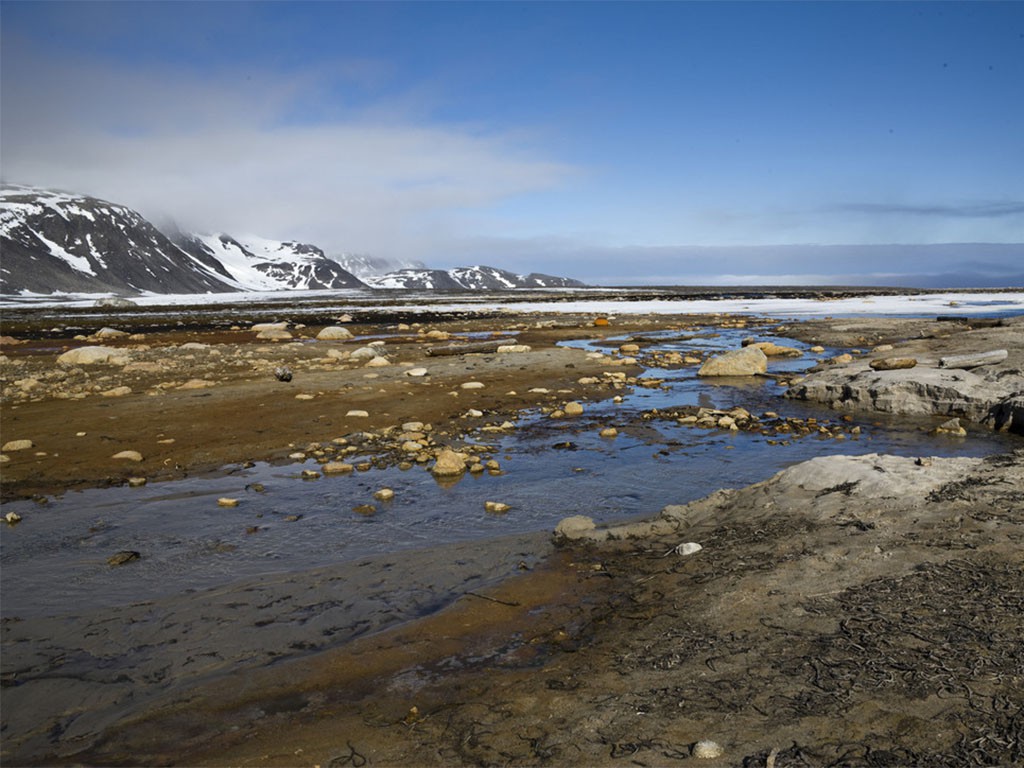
[{"x": 56, "y": 558}]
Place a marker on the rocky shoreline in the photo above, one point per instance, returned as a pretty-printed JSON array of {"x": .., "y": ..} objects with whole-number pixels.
[{"x": 848, "y": 611}]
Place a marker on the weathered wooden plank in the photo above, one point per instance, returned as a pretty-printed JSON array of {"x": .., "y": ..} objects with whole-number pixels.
[
  {"x": 465, "y": 349},
  {"x": 973, "y": 360}
]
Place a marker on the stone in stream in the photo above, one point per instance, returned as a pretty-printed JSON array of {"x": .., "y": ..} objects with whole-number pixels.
[
  {"x": 573, "y": 409},
  {"x": 337, "y": 468},
  {"x": 747, "y": 361},
  {"x": 122, "y": 557},
  {"x": 384, "y": 494},
  {"x": 771, "y": 349},
  {"x": 951, "y": 427},
  {"x": 448, "y": 464},
  {"x": 496, "y": 507},
  {"x": 225, "y": 501}
]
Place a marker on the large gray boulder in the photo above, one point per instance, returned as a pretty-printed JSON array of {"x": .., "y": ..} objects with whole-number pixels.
[{"x": 748, "y": 361}]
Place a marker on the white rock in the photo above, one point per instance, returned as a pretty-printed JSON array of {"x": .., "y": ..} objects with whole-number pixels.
[
  {"x": 364, "y": 353},
  {"x": 573, "y": 409},
  {"x": 448, "y": 464},
  {"x": 473, "y": 413},
  {"x": 688, "y": 548},
  {"x": 377, "y": 362},
  {"x": 12, "y": 518},
  {"x": 417, "y": 372},
  {"x": 706, "y": 749},
  {"x": 496, "y": 507},
  {"x": 334, "y": 333},
  {"x": 384, "y": 494},
  {"x": 274, "y": 334},
  {"x": 89, "y": 356},
  {"x": 739, "y": 362},
  {"x": 128, "y": 456},
  {"x": 337, "y": 468},
  {"x": 224, "y": 501},
  {"x": 472, "y": 385},
  {"x": 18, "y": 445},
  {"x": 357, "y": 414},
  {"x": 514, "y": 348},
  {"x": 109, "y": 333}
]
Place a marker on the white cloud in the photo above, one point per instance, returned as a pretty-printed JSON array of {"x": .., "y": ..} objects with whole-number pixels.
[{"x": 238, "y": 153}]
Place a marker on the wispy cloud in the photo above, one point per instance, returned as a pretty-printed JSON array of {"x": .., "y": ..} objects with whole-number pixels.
[
  {"x": 975, "y": 210},
  {"x": 258, "y": 153}
]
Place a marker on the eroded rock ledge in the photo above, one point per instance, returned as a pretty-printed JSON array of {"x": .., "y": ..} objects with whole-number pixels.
[{"x": 990, "y": 395}]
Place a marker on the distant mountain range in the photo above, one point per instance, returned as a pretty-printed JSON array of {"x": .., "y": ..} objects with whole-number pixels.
[{"x": 54, "y": 241}]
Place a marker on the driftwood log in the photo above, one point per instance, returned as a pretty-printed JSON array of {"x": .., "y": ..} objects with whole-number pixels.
[
  {"x": 973, "y": 360},
  {"x": 465, "y": 349}
]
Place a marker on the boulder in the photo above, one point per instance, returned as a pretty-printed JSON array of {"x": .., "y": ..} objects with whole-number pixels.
[
  {"x": 90, "y": 356},
  {"x": 274, "y": 334},
  {"x": 334, "y": 333},
  {"x": 771, "y": 349},
  {"x": 109, "y": 333},
  {"x": 747, "y": 361},
  {"x": 575, "y": 527},
  {"x": 573, "y": 409},
  {"x": 364, "y": 353},
  {"x": 448, "y": 464}
]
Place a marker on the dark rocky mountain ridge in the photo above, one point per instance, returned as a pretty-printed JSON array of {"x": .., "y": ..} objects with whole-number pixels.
[{"x": 53, "y": 241}]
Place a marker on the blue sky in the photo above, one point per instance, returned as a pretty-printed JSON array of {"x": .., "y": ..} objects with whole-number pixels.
[{"x": 614, "y": 142}]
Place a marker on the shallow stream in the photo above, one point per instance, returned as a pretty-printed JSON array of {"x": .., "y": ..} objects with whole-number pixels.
[{"x": 55, "y": 562}]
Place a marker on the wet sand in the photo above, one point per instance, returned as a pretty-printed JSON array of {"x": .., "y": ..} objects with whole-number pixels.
[{"x": 595, "y": 653}]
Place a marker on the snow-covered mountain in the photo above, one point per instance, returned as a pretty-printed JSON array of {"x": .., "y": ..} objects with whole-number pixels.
[
  {"x": 363, "y": 266},
  {"x": 56, "y": 241},
  {"x": 270, "y": 265},
  {"x": 478, "y": 278}
]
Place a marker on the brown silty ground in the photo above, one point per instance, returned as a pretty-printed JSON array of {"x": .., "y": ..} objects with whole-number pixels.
[{"x": 790, "y": 640}]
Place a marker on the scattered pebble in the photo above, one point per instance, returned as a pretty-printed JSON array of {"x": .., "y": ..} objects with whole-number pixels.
[
  {"x": 496, "y": 507},
  {"x": 310, "y": 474},
  {"x": 12, "y": 518},
  {"x": 357, "y": 414},
  {"x": 128, "y": 456},
  {"x": 384, "y": 494},
  {"x": 224, "y": 501},
  {"x": 471, "y": 385}
]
